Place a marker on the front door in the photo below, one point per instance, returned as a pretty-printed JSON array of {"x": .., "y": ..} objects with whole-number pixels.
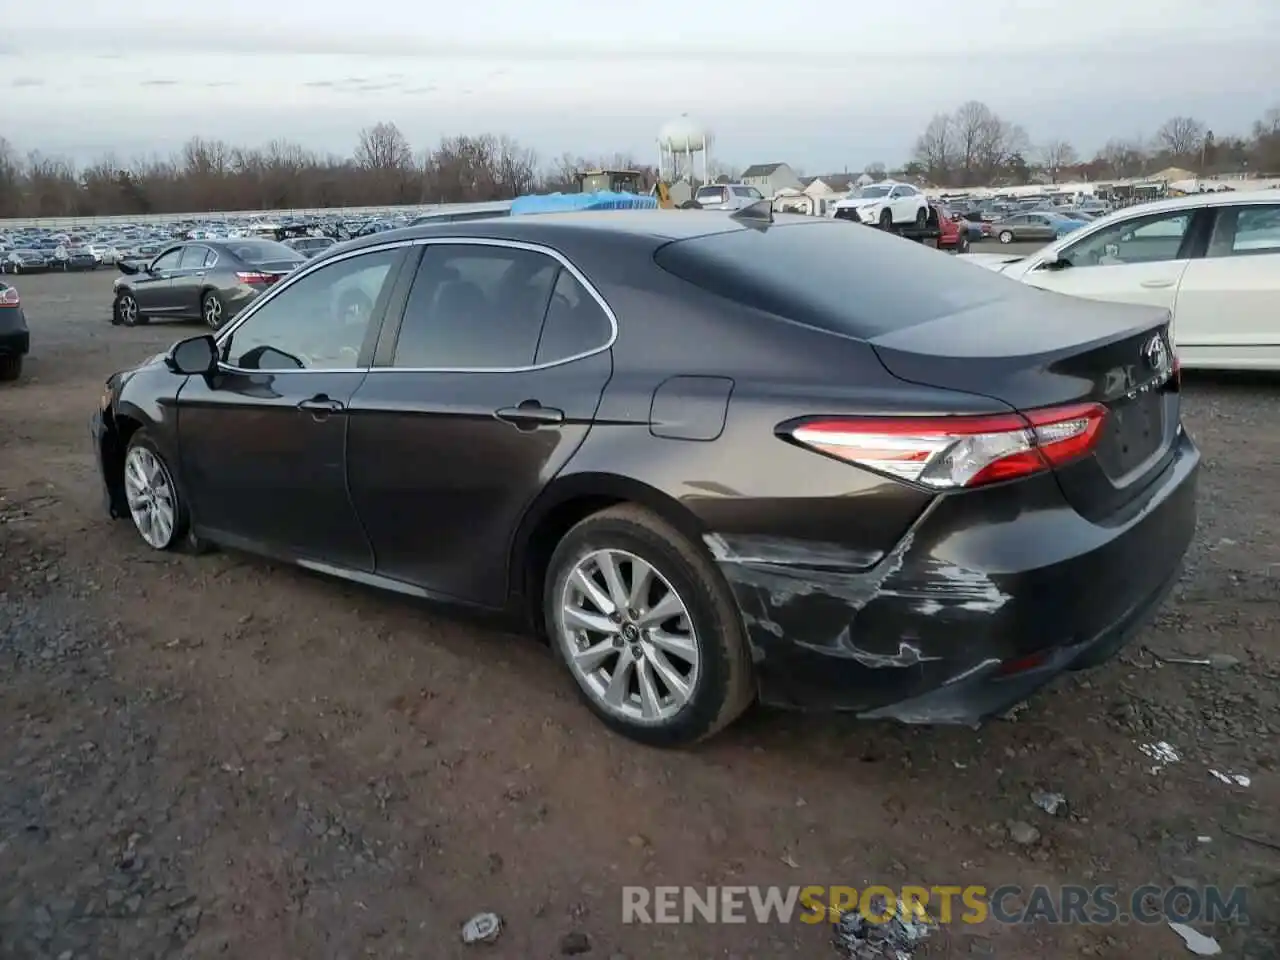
[
  {"x": 484, "y": 393},
  {"x": 1136, "y": 261},
  {"x": 152, "y": 286},
  {"x": 263, "y": 442},
  {"x": 188, "y": 280}
]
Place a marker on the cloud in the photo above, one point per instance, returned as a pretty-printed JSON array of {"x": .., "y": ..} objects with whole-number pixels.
[
  {"x": 27, "y": 82},
  {"x": 160, "y": 83}
]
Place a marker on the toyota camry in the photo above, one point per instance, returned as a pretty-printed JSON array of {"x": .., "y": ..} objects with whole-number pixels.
[{"x": 713, "y": 459}]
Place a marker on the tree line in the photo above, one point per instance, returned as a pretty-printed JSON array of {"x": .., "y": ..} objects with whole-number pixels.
[
  {"x": 975, "y": 146},
  {"x": 972, "y": 146},
  {"x": 209, "y": 175}
]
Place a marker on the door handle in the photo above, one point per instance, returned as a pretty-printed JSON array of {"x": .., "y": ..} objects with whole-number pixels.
[
  {"x": 530, "y": 415},
  {"x": 1156, "y": 284},
  {"x": 321, "y": 405}
]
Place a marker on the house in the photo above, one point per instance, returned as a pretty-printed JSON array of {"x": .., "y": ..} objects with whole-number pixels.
[
  {"x": 831, "y": 184},
  {"x": 769, "y": 178}
]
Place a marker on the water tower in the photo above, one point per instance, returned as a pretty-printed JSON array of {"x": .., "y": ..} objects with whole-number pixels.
[{"x": 680, "y": 143}]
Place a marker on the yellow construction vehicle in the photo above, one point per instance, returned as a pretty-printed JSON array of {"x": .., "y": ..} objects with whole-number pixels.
[{"x": 623, "y": 181}]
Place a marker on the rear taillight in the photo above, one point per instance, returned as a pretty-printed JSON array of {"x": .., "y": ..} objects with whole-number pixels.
[
  {"x": 963, "y": 451},
  {"x": 255, "y": 277},
  {"x": 9, "y": 298}
]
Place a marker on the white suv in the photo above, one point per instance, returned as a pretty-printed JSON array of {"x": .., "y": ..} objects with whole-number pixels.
[{"x": 885, "y": 204}]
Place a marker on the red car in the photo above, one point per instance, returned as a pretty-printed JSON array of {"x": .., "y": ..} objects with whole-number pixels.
[{"x": 953, "y": 237}]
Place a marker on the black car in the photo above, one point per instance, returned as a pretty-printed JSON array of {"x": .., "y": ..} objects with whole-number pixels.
[
  {"x": 15, "y": 338},
  {"x": 26, "y": 260},
  {"x": 209, "y": 280},
  {"x": 75, "y": 258},
  {"x": 713, "y": 456}
]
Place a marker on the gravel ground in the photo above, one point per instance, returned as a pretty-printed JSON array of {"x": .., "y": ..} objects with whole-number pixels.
[{"x": 220, "y": 756}]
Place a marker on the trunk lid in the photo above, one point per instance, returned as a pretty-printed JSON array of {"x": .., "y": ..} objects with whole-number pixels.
[{"x": 1048, "y": 350}]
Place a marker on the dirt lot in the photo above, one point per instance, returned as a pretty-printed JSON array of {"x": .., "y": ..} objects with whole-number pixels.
[{"x": 216, "y": 756}]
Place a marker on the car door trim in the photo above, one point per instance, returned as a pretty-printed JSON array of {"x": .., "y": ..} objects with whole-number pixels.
[{"x": 228, "y": 331}]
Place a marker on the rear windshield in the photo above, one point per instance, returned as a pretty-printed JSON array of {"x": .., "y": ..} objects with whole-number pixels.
[
  {"x": 833, "y": 275},
  {"x": 262, "y": 251}
]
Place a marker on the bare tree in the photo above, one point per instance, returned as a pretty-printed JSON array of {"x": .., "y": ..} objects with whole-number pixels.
[
  {"x": 383, "y": 147},
  {"x": 876, "y": 171},
  {"x": 935, "y": 148},
  {"x": 1055, "y": 155},
  {"x": 1123, "y": 158},
  {"x": 1181, "y": 136}
]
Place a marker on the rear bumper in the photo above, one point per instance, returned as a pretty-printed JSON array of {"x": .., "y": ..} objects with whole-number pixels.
[{"x": 989, "y": 596}]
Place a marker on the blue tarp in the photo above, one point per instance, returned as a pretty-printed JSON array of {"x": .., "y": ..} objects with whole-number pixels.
[{"x": 569, "y": 202}]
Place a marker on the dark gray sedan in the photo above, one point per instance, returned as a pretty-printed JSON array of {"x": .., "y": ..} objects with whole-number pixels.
[{"x": 209, "y": 280}]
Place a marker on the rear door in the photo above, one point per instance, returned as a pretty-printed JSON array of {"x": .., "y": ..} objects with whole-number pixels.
[
  {"x": 1140, "y": 260},
  {"x": 479, "y": 397},
  {"x": 1228, "y": 306}
]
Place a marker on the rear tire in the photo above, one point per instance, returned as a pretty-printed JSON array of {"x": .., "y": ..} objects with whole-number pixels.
[
  {"x": 718, "y": 684},
  {"x": 212, "y": 310},
  {"x": 962, "y": 241},
  {"x": 922, "y": 218},
  {"x": 11, "y": 367}
]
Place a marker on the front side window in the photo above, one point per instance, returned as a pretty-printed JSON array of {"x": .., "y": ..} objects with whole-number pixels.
[
  {"x": 1246, "y": 231},
  {"x": 193, "y": 257},
  {"x": 168, "y": 260},
  {"x": 318, "y": 323},
  {"x": 475, "y": 307},
  {"x": 1154, "y": 238}
]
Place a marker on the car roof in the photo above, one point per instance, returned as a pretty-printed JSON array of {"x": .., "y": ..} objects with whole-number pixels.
[
  {"x": 660, "y": 226},
  {"x": 1196, "y": 201}
]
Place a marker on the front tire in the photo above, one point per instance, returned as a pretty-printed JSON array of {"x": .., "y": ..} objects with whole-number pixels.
[
  {"x": 962, "y": 242},
  {"x": 886, "y": 219},
  {"x": 156, "y": 507},
  {"x": 1006, "y": 236},
  {"x": 11, "y": 367},
  {"x": 125, "y": 310},
  {"x": 647, "y": 628}
]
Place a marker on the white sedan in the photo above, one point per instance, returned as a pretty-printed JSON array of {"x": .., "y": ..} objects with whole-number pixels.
[{"x": 1213, "y": 260}]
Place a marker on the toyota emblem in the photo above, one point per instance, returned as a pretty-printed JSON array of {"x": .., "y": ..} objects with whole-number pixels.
[{"x": 1156, "y": 354}]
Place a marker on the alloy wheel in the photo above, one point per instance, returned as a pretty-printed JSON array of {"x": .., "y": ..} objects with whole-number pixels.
[
  {"x": 212, "y": 311},
  {"x": 628, "y": 637},
  {"x": 128, "y": 310},
  {"x": 151, "y": 497}
]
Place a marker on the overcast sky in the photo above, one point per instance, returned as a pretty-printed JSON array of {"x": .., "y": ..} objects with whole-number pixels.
[{"x": 822, "y": 84}]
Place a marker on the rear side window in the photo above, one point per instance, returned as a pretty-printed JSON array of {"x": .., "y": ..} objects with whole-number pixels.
[
  {"x": 833, "y": 275},
  {"x": 475, "y": 307},
  {"x": 575, "y": 323}
]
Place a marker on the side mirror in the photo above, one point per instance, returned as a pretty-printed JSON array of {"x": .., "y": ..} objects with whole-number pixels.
[
  {"x": 1058, "y": 263},
  {"x": 196, "y": 356}
]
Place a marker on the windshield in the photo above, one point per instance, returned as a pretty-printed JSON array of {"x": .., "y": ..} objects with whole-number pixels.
[
  {"x": 869, "y": 192},
  {"x": 263, "y": 251}
]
